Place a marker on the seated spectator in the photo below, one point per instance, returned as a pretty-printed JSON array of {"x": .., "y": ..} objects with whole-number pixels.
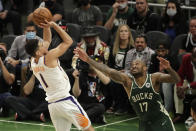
[
  {"x": 118, "y": 14},
  {"x": 7, "y": 78},
  {"x": 141, "y": 51},
  {"x": 174, "y": 22},
  {"x": 87, "y": 89},
  {"x": 92, "y": 44},
  {"x": 87, "y": 14},
  {"x": 33, "y": 105},
  {"x": 122, "y": 44},
  {"x": 143, "y": 19},
  {"x": 10, "y": 16},
  {"x": 193, "y": 114},
  {"x": 17, "y": 54},
  {"x": 55, "y": 8},
  {"x": 187, "y": 73},
  {"x": 190, "y": 41},
  {"x": 167, "y": 88}
]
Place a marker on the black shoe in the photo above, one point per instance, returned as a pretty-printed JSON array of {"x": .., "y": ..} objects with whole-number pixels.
[
  {"x": 4, "y": 112},
  {"x": 178, "y": 119},
  {"x": 101, "y": 120}
]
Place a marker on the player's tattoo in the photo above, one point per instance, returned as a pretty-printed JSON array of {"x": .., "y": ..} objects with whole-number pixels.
[
  {"x": 113, "y": 74},
  {"x": 175, "y": 77}
]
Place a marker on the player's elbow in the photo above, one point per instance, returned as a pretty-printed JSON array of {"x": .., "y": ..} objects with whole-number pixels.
[{"x": 70, "y": 41}]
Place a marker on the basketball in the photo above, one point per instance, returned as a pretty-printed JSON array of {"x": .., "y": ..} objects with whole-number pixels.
[{"x": 41, "y": 14}]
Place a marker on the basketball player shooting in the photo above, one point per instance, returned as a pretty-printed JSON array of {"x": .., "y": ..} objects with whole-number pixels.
[
  {"x": 63, "y": 107},
  {"x": 142, "y": 90}
]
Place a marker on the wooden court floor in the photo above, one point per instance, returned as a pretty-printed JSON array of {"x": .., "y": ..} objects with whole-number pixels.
[{"x": 114, "y": 123}]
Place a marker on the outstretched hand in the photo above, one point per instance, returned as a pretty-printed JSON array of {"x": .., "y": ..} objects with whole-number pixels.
[
  {"x": 164, "y": 64},
  {"x": 81, "y": 54}
]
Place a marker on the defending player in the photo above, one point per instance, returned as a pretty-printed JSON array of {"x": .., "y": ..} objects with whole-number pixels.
[{"x": 142, "y": 89}]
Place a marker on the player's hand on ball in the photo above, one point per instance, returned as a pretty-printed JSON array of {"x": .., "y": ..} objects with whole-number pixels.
[{"x": 46, "y": 24}]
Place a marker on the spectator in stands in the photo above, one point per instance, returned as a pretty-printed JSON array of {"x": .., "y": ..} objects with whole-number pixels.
[
  {"x": 118, "y": 14},
  {"x": 190, "y": 40},
  {"x": 17, "y": 54},
  {"x": 87, "y": 89},
  {"x": 10, "y": 16},
  {"x": 92, "y": 44},
  {"x": 141, "y": 51},
  {"x": 167, "y": 88},
  {"x": 7, "y": 77},
  {"x": 122, "y": 44},
  {"x": 143, "y": 19},
  {"x": 174, "y": 22},
  {"x": 187, "y": 73},
  {"x": 87, "y": 14},
  {"x": 33, "y": 105},
  {"x": 55, "y": 8}
]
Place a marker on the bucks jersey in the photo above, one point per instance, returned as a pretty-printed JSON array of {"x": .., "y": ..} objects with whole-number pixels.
[{"x": 146, "y": 102}]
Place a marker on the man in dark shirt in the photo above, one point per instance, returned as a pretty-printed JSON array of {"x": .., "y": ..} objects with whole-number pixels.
[
  {"x": 87, "y": 14},
  {"x": 33, "y": 105},
  {"x": 167, "y": 88},
  {"x": 190, "y": 41},
  {"x": 7, "y": 77},
  {"x": 87, "y": 89},
  {"x": 143, "y": 19}
]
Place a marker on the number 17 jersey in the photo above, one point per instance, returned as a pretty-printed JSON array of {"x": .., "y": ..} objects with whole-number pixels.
[{"x": 145, "y": 101}]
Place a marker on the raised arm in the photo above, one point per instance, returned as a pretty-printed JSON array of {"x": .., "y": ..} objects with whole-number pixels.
[
  {"x": 8, "y": 77},
  {"x": 29, "y": 86},
  {"x": 110, "y": 22},
  {"x": 171, "y": 77},
  {"x": 76, "y": 87},
  {"x": 64, "y": 45},
  {"x": 47, "y": 36},
  {"x": 113, "y": 74}
]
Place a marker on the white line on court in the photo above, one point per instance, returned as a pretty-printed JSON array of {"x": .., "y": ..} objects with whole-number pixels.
[
  {"x": 26, "y": 123},
  {"x": 116, "y": 122}
]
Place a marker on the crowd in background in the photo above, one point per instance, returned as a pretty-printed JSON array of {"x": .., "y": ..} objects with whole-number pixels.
[{"x": 111, "y": 32}]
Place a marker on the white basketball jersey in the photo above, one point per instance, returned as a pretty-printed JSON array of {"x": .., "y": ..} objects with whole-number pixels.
[{"x": 54, "y": 80}]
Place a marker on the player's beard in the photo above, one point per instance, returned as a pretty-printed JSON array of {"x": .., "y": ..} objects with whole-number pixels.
[{"x": 137, "y": 74}]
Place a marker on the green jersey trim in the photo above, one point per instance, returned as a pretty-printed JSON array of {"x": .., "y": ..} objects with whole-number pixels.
[{"x": 143, "y": 84}]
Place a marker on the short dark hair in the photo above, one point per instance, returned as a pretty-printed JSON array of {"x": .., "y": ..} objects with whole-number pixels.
[
  {"x": 163, "y": 43},
  {"x": 141, "y": 35},
  {"x": 193, "y": 105},
  {"x": 31, "y": 46},
  {"x": 29, "y": 24}
]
